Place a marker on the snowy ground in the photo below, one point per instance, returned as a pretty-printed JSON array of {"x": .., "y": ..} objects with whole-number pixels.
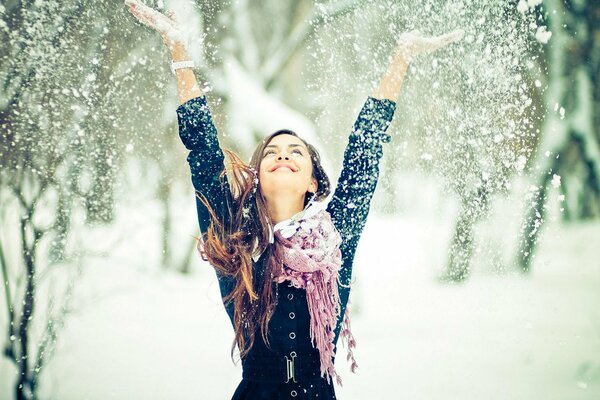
[{"x": 143, "y": 333}]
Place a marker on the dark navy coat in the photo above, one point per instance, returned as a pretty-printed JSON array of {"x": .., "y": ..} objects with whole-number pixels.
[{"x": 289, "y": 369}]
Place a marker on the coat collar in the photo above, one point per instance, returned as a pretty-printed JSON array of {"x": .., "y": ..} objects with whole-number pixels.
[{"x": 289, "y": 226}]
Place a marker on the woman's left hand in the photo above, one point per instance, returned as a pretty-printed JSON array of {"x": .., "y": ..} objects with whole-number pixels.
[{"x": 410, "y": 44}]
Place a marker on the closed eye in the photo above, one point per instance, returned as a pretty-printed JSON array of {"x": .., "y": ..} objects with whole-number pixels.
[{"x": 297, "y": 151}]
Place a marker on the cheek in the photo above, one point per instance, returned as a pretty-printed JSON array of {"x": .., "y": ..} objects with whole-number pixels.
[
  {"x": 262, "y": 175},
  {"x": 307, "y": 168}
]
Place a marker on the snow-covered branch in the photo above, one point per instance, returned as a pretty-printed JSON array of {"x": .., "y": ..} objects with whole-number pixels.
[{"x": 319, "y": 15}]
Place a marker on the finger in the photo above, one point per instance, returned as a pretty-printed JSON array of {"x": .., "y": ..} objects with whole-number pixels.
[
  {"x": 136, "y": 10},
  {"x": 171, "y": 15},
  {"x": 143, "y": 18},
  {"x": 452, "y": 36},
  {"x": 148, "y": 13},
  {"x": 437, "y": 42},
  {"x": 151, "y": 17}
]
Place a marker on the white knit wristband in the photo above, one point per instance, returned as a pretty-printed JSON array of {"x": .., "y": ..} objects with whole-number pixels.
[{"x": 181, "y": 64}]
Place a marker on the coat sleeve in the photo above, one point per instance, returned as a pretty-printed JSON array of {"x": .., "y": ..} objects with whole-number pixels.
[
  {"x": 351, "y": 199},
  {"x": 206, "y": 159}
]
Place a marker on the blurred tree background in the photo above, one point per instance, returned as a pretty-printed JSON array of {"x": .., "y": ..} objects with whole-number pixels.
[{"x": 87, "y": 116}]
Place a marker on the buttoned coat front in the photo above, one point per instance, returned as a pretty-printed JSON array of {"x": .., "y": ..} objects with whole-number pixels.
[{"x": 266, "y": 370}]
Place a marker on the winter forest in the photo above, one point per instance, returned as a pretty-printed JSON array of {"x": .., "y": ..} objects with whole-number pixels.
[{"x": 476, "y": 276}]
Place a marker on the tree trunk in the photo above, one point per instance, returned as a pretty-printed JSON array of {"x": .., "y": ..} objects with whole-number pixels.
[
  {"x": 473, "y": 207},
  {"x": 164, "y": 195},
  {"x": 23, "y": 388},
  {"x": 569, "y": 145}
]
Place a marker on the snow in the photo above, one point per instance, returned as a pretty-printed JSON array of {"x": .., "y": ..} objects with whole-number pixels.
[
  {"x": 555, "y": 181},
  {"x": 520, "y": 164},
  {"x": 542, "y": 35},
  {"x": 533, "y": 3},
  {"x": 140, "y": 331},
  {"x": 522, "y": 6}
]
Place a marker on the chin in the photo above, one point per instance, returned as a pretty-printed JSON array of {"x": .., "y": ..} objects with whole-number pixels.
[{"x": 282, "y": 191}]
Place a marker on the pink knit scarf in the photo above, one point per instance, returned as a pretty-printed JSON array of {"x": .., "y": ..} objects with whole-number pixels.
[{"x": 309, "y": 256}]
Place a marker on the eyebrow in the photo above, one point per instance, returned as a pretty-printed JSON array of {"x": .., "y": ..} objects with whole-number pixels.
[{"x": 290, "y": 145}]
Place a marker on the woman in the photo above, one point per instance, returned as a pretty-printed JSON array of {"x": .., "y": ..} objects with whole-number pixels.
[{"x": 282, "y": 255}]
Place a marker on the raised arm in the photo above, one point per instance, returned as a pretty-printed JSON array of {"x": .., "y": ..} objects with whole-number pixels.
[
  {"x": 175, "y": 40},
  {"x": 351, "y": 199},
  {"x": 196, "y": 128},
  {"x": 199, "y": 135},
  {"x": 350, "y": 203}
]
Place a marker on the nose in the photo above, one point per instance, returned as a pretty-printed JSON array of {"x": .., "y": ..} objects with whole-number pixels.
[{"x": 283, "y": 157}]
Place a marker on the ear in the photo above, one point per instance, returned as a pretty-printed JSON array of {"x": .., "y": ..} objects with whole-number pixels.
[{"x": 314, "y": 186}]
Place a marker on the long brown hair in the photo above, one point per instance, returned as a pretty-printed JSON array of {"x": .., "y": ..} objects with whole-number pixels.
[{"x": 231, "y": 238}]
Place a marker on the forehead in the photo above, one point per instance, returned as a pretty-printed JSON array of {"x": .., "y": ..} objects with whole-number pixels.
[{"x": 285, "y": 140}]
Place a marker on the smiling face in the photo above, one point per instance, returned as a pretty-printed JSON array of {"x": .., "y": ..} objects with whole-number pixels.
[{"x": 286, "y": 168}]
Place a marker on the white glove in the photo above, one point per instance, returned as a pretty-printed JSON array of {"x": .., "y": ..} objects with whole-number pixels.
[
  {"x": 166, "y": 25},
  {"x": 410, "y": 44}
]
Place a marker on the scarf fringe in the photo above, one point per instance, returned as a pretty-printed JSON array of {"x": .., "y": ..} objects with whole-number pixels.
[
  {"x": 312, "y": 260},
  {"x": 346, "y": 335}
]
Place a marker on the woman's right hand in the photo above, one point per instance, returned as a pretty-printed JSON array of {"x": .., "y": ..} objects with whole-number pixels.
[{"x": 173, "y": 36}]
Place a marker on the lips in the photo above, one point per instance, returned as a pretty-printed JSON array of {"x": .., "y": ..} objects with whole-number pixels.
[{"x": 284, "y": 165}]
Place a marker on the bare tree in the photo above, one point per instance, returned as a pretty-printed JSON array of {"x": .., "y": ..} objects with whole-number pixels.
[
  {"x": 569, "y": 155},
  {"x": 57, "y": 126}
]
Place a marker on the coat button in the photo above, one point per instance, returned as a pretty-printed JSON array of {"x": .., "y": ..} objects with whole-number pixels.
[
  {"x": 293, "y": 393},
  {"x": 292, "y": 315},
  {"x": 292, "y": 335},
  {"x": 290, "y": 296}
]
